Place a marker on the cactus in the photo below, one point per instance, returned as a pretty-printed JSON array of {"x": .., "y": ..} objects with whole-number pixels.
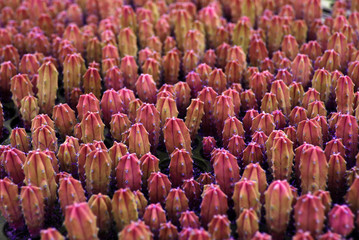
[
  {"x": 136, "y": 230},
  {"x": 351, "y": 197},
  {"x": 246, "y": 196},
  {"x": 223, "y": 108},
  {"x": 10, "y": 203},
  {"x": 282, "y": 158},
  {"x": 168, "y": 231},
  {"x": 232, "y": 126},
  {"x": 309, "y": 131},
  {"x": 39, "y": 171},
  {"x": 336, "y": 173},
  {"x": 192, "y": 190},
  {"x": 146, "y": 88},
  {"x": 86, "y": 103},
  {"x": 154, "y": 216},
  {"x": 19, "y": 139},
  {"x": 171, "y": 66},
  {"x": 214, "y": 202},
  {"x": 8, "y": 70},
  {"x": 297, "y": 115},
  {"x": 189, "y": 219},
  {"x": 181, "y": 166},
  {"x": 263, "y": 122},
  {"x": 330, "y": 236},
  {"x": 47, "y": 87},
  {"x": 124, "y": 208},
  {"x": 278, "y": 205},
  {"x": 209, "y": 143},
  {"x": 110, "y": 104},
  {"x": 149, "y": 116},
  {"x": 141, "y": 202},
  {"x": 73, "y": 69},
  {"x": 344, "y": 92},
  {"x": 51, "y": 233},
  {"x": 247, "y": 224},
  {"x": 118, "y": 125},
  {"x": 300, "y": 235},
  {"x": 167, "y": 108},
  {"x": 92, "y": 127},
  {"x": 98, "y": 169},
  {"x": 194, "y": 115},
  {"x": 322, "y": 83},
  {"x": 137, "y": 140},
  {"x": 349, "y": 135},
  {"x": 80, "y": 222},
  {"x": 20, "y": 88},
  {"x": 180, "y": 140},
  {"x": 33, "y": 208},
  {"x": 64, "y": 118},
  {"x": 149, "y": 164},
  {"x": 70, "y": 192},
  {"x": 309, "y": 214},
  {"x": 176, "y": 203},
  {"x": 158, "y": 187},
  {"x": 128, "y": 172},
  {"x": 341, "y": 220},
  {"x": 13, "y": 160},
  {"x": 44, "y": 137},
  {"x": 302, "y": 69}
]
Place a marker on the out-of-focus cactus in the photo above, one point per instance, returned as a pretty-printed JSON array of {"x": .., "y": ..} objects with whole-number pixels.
[
  {"x": 214, "y": 202},
  {"x": 209, "y": 143},
  {"x": 87, "y": 102},
  {"x": 47, "y": 86},
  {"x": 247, "y": 224},
  {"x": 149, "y": 163},
  {"x": 21, "y": 87},
  {"x": 278, "y": 205},
  {"x": 70, "y": 192},
  {"x": 73, "y": 69},
  {"x": 33, "y": 208},
  {"x": 171, "y": 66},
  {"x": 309, "y": 214},
  {"x": 13, "y": 159},
  {"x": 118, "y": 125},
  {"x": 309, "y": 131},
  {"x": 141, "y": 202},
  {"x": 124, "y": 207},
  {"x": 347, "y": 129},
  {"x": 136, "y": 230},
  {"x": 322, "y": 83},
  {"x": 146, "y": 88},
  {"x": 341, "y": 220},
  {"x": 351, "y": 197},
  {"x": 302, "y": 69},
  {"x": 344, "y": 92},
  {"x": 168, "y": 231},
  {"x": 167, "y": 108},
  {"x": 330, "y": 236},
  {"x": 300, "y": 235},
  {"x": 80, "y": 222},
  {"x": 127, "y": 42},
  {"x": 51, "y": 233},
  {"x": 181, "y": 166},
  {"x": 336, "y": 173},
  {"x": 158, "y": 187},
  {"x": 189, "y": 219},
  {"x": 10, "y": 203},
  {"x": 129, "y": 70},
  {"x": 263, "y": 122},
  {"x": 7, "y": 70}
]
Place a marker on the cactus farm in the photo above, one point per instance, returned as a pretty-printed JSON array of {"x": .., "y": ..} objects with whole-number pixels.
[{"x": 179, "y": 119}]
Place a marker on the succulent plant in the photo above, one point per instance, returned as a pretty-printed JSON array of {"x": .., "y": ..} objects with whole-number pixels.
[
  {"x": 47, "y": 87},
  {"x": 10, "y": 203},
  {"x": 51, "y": 233},
  {"x": 176, "y": 203},
  {"x": 124, "y": 208}
]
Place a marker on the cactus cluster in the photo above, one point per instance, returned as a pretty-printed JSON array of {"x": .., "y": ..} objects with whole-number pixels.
[{"x": 179, "y": 119}]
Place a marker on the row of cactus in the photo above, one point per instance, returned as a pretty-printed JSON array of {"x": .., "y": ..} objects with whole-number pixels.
[{"x": 122, "y": 102}]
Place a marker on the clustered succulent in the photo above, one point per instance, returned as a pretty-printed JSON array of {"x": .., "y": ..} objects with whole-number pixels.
[{"x": 179, "y": 119}]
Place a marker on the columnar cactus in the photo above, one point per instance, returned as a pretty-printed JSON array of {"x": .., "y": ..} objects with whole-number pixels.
[
  {"x": 351, "y": 197},
  {"x": 44, "y": 137},
  {"x": 47, "y": 86},
  {"x": 64, "y": 118},
  {"x": 73, "y": 69},
  {"x": 246, "y": 196},
  {"x": 195, "y": 113},
  {"x": 39, "y": 171},
  {"x": 10, "y": 203},
  {"x": 309, "y": 131},
  {"x": 98, "y": 169},
  {"x": 344, "y": 92},
  {"x": 70, "y": 192},
  {"x": 124, "y": 208},
  {"x": 181, "y": 138},
  {"x": 176, "y": 203},
  {"x": 322, "y": 83},
  {"x": 110, "y": 104},
  {"x": 128, "y": 172},
  {"x": 149, "y": 116},
  {"x": 341, "y": 220},
  {"x": 13, "y": 160},
  {"x": 167, "y": 108},
  {"x": 168, "y": 231},
  {"x": 136, "y": 230},
  {"x": 92, "y": 127},
  {"x": 214, "y": 202},
  {"x": 282, "y": 158},
  {"x": 348, "y": 134},
  {"x": 247, "y": 224},
  {"x": 20, "y": 88},
  {"x": 33, "y": 208},
  {"x": 51, "y": 233},
  {"x": 309, "y": 214},
  {"x": 86, "y": 103},
  {"x": 19, "y": 139},
  {"x": 92, "y": 81},
  {"x": 154, "y": 216},
  {"x": 223, "y": 108},
  {"x": 80, "y": 222},
  {"x": 118, "y": 125},
  {"x": 278, "y": 205},
  {"x": 158, "y": 187}
]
